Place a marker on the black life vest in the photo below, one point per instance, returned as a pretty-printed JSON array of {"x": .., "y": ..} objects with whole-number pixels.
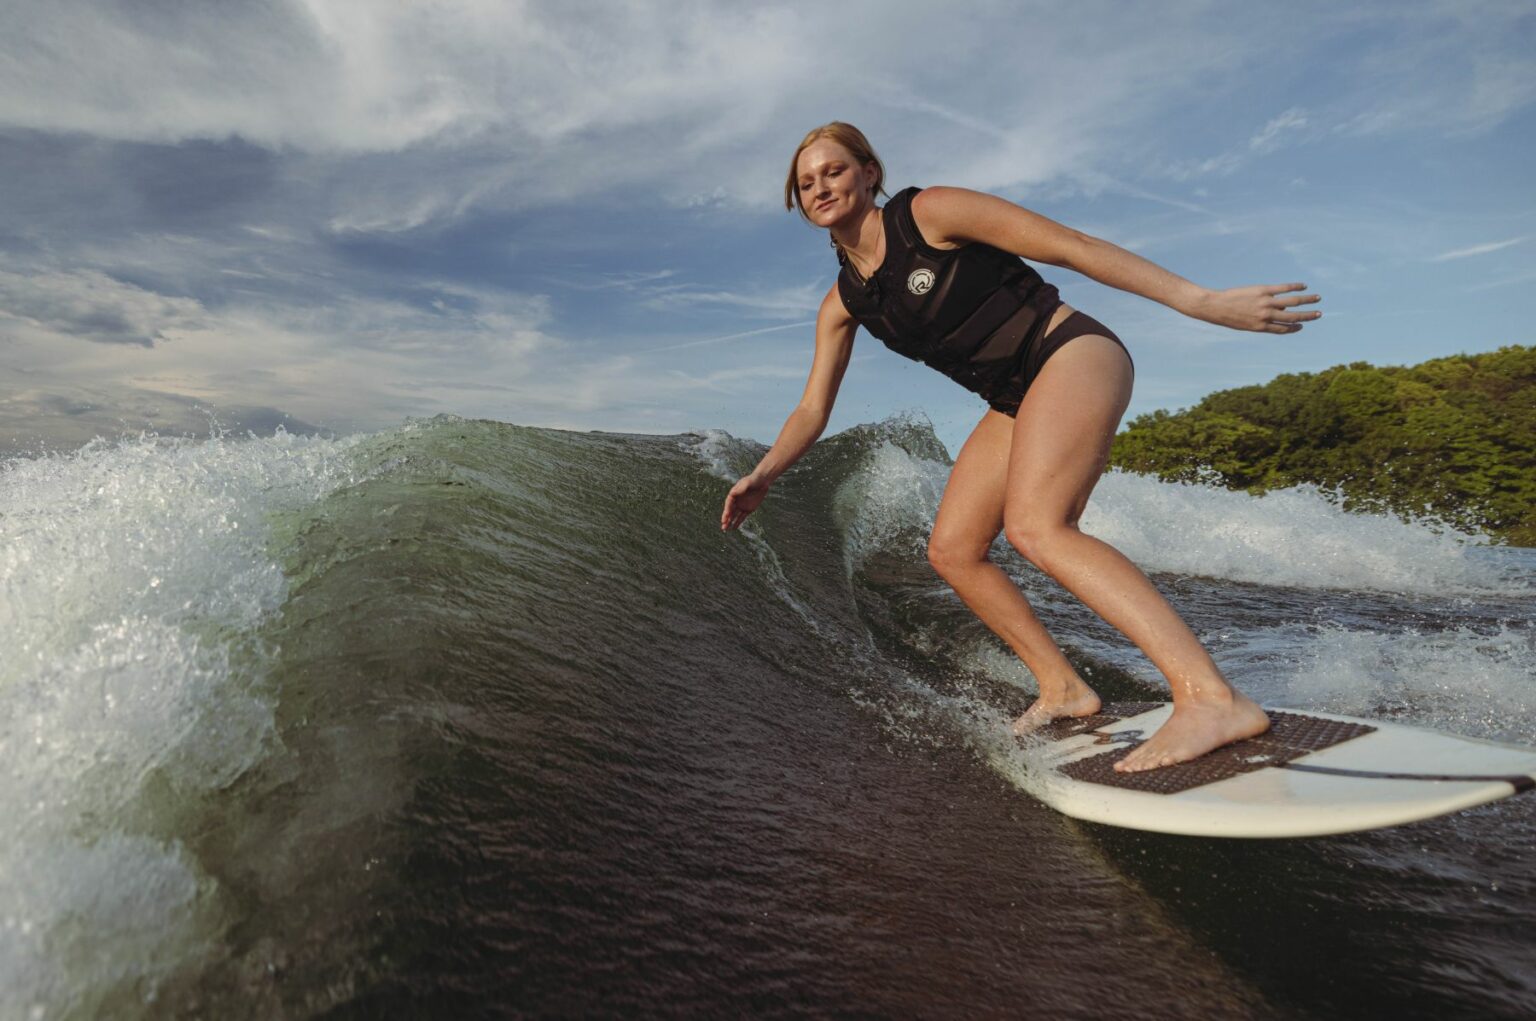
[{"x": 971, "y": 312}]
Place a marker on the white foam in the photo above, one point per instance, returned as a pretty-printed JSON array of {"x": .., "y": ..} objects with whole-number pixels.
[
  {"x": 1480, "y": 683},
  {"x": 716, "y": 448},
  {"x": 1294, "y": 537},
  {"x": 892, "y": 494},
  {"x": 132, "y": 577},
  {"x": 990, "y": 658}
]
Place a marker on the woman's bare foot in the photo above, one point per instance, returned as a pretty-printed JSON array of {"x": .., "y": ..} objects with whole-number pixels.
[
  {"x": 1194, "y": 729},
  {"x": 1082, "y": 701}
]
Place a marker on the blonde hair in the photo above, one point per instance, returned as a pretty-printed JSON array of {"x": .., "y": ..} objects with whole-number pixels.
[{"x": 845, "y": 135}]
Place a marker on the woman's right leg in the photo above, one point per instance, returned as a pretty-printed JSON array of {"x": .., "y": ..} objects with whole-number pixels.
[{"x": 969, "y": 519}]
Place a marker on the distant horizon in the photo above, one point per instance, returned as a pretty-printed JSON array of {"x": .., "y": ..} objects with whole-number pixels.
[
  {"x": 55, "y": 424},
  {"x": 344, "y": 218}
]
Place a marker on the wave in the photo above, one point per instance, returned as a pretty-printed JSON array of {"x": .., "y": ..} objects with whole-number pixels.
[{"x": 196, "y": 625}]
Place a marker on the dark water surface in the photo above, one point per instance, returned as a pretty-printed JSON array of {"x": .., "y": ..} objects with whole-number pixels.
[{"x": 474, "y": 720}]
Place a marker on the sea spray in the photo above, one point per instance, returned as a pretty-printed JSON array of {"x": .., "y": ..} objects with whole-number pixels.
[
  {"x": 132, "y": 579},
  {"x": 1475, "y": 681},
  {"x": 1294, "y": 537}
]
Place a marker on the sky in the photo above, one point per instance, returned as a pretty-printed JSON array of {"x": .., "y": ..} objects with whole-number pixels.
[{"x": 338, "y": 214}]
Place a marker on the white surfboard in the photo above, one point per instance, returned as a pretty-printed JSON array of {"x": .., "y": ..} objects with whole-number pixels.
[{"x": 1312, "y": 774}]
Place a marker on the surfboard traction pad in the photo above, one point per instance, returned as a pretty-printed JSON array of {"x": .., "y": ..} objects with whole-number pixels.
[{"x": 1290, "y": 736}]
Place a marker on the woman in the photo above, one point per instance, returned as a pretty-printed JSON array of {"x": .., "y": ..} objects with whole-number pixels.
[{"x": 937, "y": 275}]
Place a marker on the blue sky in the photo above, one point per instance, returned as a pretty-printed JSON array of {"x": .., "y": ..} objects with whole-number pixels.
[{"x": 568, "y": 214}]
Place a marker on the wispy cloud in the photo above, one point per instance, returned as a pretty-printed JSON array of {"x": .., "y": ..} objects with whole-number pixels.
[
  {"x": 1270, "y": 137},
  {"x": 780, "y": 302},
  {"x": 629, "y": 280},
  {"x": 718, "y": 381},
  {"x": 1483, "y": 249},
  {"x": 728, "y": 337},
  {"x": 1460, "y": 67},
  {"x": 1286, "y": 128},
  {"x": 1097, "y": 182},
  {"x": 1489, "y": 285}
]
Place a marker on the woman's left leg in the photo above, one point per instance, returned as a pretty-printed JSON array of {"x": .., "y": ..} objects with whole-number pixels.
[
  {"x": 1060, "y": 447},
  {"x": 970, "y": 518}
]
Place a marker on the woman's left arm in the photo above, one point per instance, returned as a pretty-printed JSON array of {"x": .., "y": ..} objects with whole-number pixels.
[{"x": 958, "y": 215}]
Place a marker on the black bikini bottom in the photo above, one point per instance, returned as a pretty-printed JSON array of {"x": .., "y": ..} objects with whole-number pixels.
[{"x": 1078, "y": 324}]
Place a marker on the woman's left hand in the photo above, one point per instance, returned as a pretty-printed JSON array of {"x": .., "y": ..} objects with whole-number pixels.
[{"x": 1262, "y": 308}]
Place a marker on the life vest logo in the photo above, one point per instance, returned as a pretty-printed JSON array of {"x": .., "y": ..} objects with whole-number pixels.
[{"x": 921, "y": 281}]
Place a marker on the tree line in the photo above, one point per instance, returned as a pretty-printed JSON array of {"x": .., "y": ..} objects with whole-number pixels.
[{"x": 1452, "y": 438}]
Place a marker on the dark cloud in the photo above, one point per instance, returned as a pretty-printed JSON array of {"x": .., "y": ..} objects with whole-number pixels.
[
  {"x": 96, "y": 307},
  {"x": 199, "y": 180},
  {"x": 59, "y": 188}
]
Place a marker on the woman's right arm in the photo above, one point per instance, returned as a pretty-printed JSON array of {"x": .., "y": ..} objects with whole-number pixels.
[{"x": 834, "y": 344}]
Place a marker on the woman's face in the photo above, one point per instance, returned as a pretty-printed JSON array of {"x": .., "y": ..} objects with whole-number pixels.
[{"x": 833, "y": 187}]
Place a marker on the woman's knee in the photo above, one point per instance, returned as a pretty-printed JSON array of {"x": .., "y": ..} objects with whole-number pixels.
[
  {"x": 1037, "y": 538},
  {"x": 951, "y": 557}
]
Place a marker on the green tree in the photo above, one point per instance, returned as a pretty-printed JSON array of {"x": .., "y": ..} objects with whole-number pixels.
[{"x": 1454, "y": 436}]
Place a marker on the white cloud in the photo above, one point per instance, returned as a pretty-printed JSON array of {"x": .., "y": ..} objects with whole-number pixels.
[
  {"x": 1214, "y": 166},
  {"x": 1483, "y": 249},
  {"x": 509, "y": 103},
  {"x": 512, "y": 103},
  {"x": 318, "y": 75},
  {"x": 1269, "y": 137},
  {"x": 624, "y": 391},
  {"x": 346, "y": 362},
  {"x": 349, "y": 359},
  {"x": 450, "y": 328}
]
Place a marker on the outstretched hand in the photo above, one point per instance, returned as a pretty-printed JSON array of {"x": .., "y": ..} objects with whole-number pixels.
[
  {"x": 1262, "y": 308},
  {"x": 744, "y": 498}
]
